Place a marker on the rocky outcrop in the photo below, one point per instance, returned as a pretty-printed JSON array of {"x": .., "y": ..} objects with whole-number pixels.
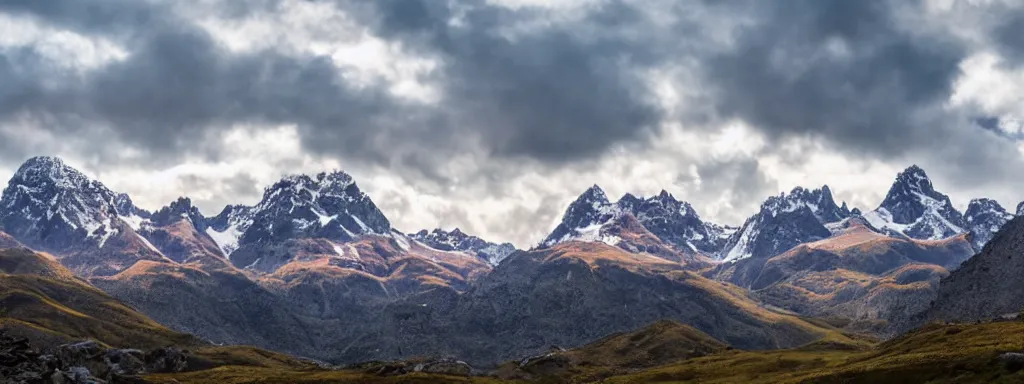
[{"x": 83, "y": 362}]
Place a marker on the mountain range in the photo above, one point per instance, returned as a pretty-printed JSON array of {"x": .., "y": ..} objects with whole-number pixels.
[{"x": 316, "y": 269}]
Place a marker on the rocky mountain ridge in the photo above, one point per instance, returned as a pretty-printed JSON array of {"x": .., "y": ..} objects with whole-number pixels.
[
  {"x": 456, "y": 240},
  {"x": 912, "y": 209}
]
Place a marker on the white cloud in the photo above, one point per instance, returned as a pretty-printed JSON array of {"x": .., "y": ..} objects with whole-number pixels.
[{"x": 66, "y": 49}]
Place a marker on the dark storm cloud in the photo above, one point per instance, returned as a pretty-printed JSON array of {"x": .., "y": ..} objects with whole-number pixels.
[
  {"x": 1009, "y": 37},
  {"x": 840, "y": 70},
  {"x": 554, "y": 93},
  {"x": 177, "y": 85},
  {"x": 741, "y": 181}
]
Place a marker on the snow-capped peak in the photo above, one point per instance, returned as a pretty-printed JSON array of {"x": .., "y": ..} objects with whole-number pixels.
[
  {"x": 584, "y": 218},
  {"x": 984, "y": 217},
  {"x": 50, "y": 205},
  {"x": 327, "y": 205},
  {"x": 226, "y": 228},
  {"x": 913, "y": 207},
  {"x": 785, "y": 221},
  {"x": 674, "y": 222}
]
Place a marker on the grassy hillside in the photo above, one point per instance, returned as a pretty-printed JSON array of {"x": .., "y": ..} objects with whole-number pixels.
[
  {"x": 43, "y": 300},
  {"x": 933, "y": 354}
]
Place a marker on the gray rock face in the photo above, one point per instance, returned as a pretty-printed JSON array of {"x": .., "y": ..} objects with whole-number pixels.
[
  {"x": 784, "y": 222},
  {"x": 456, "y": 240},
  {"x": 592, "y": 208},
  {"x": 988, "y": 285}
]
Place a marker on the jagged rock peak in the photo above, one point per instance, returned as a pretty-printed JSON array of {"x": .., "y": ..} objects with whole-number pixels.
[
  {"x": 909, "y": 185},
  {"x": 593, "y": 194},
  {"x": 913, "y": 207},
  {"x": 915, "y": 177},
  {"x": 335, "y": 182},
  {"x": 327, "y": 205},
  {"x": 818, "y": 201},
  {"x": 785, "y": 221},
  {"x": 181, "y": 208},
  {"x": 982, "y": 205}
]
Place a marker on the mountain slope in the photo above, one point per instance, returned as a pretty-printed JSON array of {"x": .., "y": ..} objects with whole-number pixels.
[
  {"x": 44, "y": 300},
  {"x": 6, "y": 241},
  {"x": 568, "y": 295},
  {"x": 988, "y": 285},
  {"x": 656, "y": 344},
  {"x": 223, "y": 306},
  {"x": 983, "y": 353},
  {"x": 875, "y": 280}
]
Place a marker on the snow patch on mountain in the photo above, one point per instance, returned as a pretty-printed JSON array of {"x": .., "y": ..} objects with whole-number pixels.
[{"x": 226, "y": 228}]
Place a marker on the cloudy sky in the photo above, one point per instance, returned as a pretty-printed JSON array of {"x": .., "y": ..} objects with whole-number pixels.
[{"x": 493, "y": 115}]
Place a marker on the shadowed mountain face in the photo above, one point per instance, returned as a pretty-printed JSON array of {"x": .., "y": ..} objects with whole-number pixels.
[
  {"x": 568, "y": 295},
  {"x": 984, "y": 217},
  {"x": 327, "y": 206},
  {"x": 988, "y": 285}
]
